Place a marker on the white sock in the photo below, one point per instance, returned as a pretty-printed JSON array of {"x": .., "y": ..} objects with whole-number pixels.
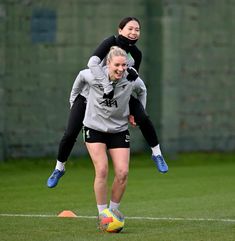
[
  {"x": 156, "y": 150},
  {"x": 101, "y": 207},
  {"x": 60, "y": 166},
  {"x": 113, "y": 205}
]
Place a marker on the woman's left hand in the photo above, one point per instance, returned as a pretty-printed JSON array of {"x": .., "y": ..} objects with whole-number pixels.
[{"x": 132, "y": 120}]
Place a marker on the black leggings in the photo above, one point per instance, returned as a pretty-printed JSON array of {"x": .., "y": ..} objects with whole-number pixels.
[
  {"x": 75, "y": 125},
  {"x": 143, "y": 121}
]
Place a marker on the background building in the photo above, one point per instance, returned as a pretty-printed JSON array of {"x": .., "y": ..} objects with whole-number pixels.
[{"x": 188, "y": 66}]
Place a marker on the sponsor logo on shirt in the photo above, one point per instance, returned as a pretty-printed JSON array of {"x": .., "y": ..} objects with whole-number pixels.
[{"x": 109, "y": 103}]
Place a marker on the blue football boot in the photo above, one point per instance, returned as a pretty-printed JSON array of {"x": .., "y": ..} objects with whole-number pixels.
[
  {"x": 54, "y": 178},
  {"x": 160, "y": 163}
]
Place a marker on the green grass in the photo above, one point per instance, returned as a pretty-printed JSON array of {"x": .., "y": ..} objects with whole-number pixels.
[{"x": 198, "y": 187}]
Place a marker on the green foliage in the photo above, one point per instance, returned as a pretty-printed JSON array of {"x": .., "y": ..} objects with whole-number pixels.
[{"x": 191, "y": 202}]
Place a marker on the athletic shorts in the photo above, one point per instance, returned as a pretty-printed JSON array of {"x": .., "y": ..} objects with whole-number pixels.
[{"x": 112, "y": 140}]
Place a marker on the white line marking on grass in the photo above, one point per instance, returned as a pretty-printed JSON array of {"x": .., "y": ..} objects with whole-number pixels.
[
  {"x": 184, "y": 219},
  {"x": 40, "y": 215},
  {"x": 135, "y": 218}
]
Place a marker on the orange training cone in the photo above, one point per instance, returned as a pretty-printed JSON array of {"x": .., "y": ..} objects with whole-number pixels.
[{"x": 67, "y": 214}]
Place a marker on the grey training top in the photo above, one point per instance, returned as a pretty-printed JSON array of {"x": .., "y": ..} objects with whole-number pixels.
[{"x": 107, "y": 115}]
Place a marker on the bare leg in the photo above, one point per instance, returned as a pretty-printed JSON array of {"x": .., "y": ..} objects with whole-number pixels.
[
  {"x": 99, "y": 158},
  {"x": 120, "y": 157}
]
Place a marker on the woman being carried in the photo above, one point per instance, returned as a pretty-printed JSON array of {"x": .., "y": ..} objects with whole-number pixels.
[{"x": 129, "y": 32}]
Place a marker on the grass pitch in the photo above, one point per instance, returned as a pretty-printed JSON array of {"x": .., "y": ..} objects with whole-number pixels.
[{"x": 195, "y": 201}]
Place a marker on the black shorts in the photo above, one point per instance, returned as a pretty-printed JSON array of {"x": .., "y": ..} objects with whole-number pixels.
[{"x": 112, "y": 140}]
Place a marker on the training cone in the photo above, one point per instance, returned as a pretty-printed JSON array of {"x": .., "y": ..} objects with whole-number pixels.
[{"x": 67, "y": 214}]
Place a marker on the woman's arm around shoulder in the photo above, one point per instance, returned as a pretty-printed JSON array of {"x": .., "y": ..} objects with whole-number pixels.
[
  {"x": 140, "y": 90},
  {"x": 79, "y": 84},
  {"x": 137, "y": 56}
]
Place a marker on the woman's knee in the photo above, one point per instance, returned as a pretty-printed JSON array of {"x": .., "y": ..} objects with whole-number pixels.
[
  {"x": 141, "y": 117},
  {"x": 122, "y": 176},
  {"x": 101, "y": 172},
  {"x": 138, "y": 111}
]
